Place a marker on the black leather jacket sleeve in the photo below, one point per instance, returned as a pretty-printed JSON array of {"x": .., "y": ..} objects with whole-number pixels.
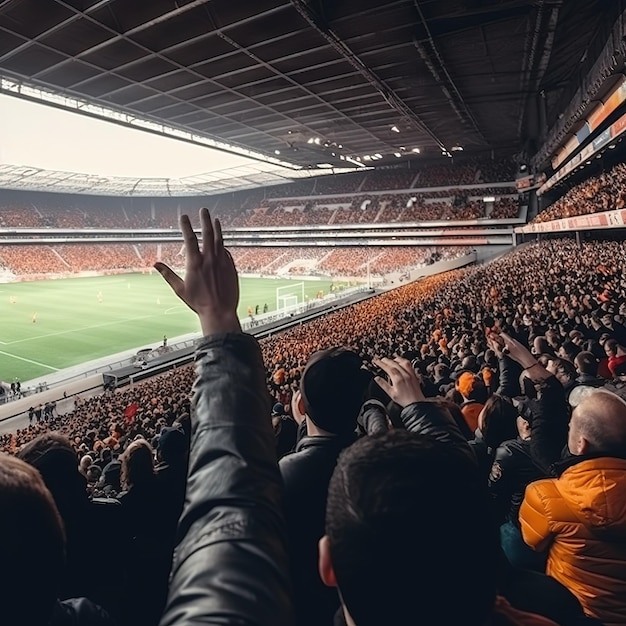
[
  {"x": 426, "y": 418},
  {"x": 509, "y": 373},
  {"x": 372, "y": 418},
  {"x": 231, "y": 564},
  {"x": 549, "y": 425}
]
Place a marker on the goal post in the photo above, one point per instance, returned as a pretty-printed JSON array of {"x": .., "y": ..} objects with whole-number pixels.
[{"x": 289, "y": 297}]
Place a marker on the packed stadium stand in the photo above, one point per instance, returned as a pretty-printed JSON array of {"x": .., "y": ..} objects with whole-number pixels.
[
  {"x": 304, "y": 206},
  {"x": 402, "y": 207},
  {"x": 446, "y": 448},
  {"x": 350, "y": 262},
  {"x": 604, "y": 192}
]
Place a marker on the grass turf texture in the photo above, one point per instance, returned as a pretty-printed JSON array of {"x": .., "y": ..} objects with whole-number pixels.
[{"x": 72, "y": 326}]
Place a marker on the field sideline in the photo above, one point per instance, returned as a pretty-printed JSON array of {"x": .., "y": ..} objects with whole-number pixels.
[{"x": 80, "y": 319}]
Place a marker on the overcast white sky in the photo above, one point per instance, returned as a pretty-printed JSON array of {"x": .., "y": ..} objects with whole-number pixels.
[{"x": 41, "y": 136}]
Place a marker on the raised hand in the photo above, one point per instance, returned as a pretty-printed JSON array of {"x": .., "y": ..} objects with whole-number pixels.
[
  {"x": 210, "y": 287},
  {"x": 495, "y": 344},
  {"x": 517, "y": 351},
  {"x": 404, "y": 386}
]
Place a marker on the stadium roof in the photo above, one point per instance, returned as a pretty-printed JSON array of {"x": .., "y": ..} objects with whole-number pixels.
[
  {"x": 251, "y": 176},
  {"x": 308, "y": 77}
]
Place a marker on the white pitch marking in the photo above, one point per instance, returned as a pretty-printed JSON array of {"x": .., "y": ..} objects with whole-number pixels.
[
  {"x": 21, "y": 358},
  {"x": 174, "y": 308},
  {"x": 78, "y": 330}
]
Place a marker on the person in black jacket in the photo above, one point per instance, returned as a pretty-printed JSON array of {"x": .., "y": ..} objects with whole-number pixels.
[
  {"x": 512, "y": 470},
  {"x": 331, "y": 392},
  {"x": 230, "y": 565}
]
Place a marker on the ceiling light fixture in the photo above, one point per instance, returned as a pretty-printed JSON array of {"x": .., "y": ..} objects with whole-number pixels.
[
  {"x": 416, "y": 150},
  {"x": 395, "y": 129},
  {"x": 397, "y": 154}
]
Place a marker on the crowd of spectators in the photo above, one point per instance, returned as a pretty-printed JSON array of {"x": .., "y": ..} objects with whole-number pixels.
[
  {"x": 605, "y": 192},
  {"x": 379, "y": 261},
  {"x": 39, "y": 261},
  {"x": 380, "y": 180},
  {"x": 32, "y": 260},
  {"x": 244, "y": 208},
  {"x": 117, "y": 488},
  {"x": 505, "y": 208},
  {"x": 367, "y": 209},
  {"x": 19, "y": 216},
  {"x": 465, "y": 172},
  {"x": 460, "y": 443},
  {"x": 95, "y": 257},
  {"x": 356, "y": 209},
  {"x": 521, "y": 286}
]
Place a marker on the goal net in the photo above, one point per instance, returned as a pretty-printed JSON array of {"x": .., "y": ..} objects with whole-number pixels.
[{"x": 289, "y": 297}]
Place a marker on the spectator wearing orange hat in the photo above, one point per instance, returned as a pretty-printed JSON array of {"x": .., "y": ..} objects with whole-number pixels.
[{"x": 474, "y": 393}]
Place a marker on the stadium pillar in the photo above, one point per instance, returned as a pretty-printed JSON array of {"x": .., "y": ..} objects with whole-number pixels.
[{"x": 578, "y": 238}]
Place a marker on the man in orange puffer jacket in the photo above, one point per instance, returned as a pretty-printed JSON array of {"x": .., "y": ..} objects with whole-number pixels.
[{"x": 580, "y": 517}]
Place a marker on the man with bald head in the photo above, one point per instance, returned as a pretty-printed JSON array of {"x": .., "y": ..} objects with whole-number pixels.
[{"x": 580, "y": 517}]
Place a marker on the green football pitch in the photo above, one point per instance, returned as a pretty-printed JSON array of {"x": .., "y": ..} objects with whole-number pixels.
[{"x": 80, "y": 319}]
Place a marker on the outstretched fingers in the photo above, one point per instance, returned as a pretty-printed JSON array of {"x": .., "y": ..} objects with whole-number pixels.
[
  {"x": 208, "y": 234},
  {"x": 192, "y": 250},
  {"x": 172, "y": 279},
  {"x": 218, "y": 238}
]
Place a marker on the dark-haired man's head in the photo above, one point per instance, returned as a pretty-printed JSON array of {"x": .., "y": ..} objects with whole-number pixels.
[
  {"x": 568, "y": 351},
  {"x": 586, "y": 363},
  {"x": 563, "y": 370},
  {"x": 469, "y": 363},
  {"x": 333, "y": 387},
  {"x": 33, "y": 552},
  {"x": 610, "y": 347},
  {"x": 577, "y": 338},
  {"x": 541, "y": 346},
  {"x": 407, "y": 521}
]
